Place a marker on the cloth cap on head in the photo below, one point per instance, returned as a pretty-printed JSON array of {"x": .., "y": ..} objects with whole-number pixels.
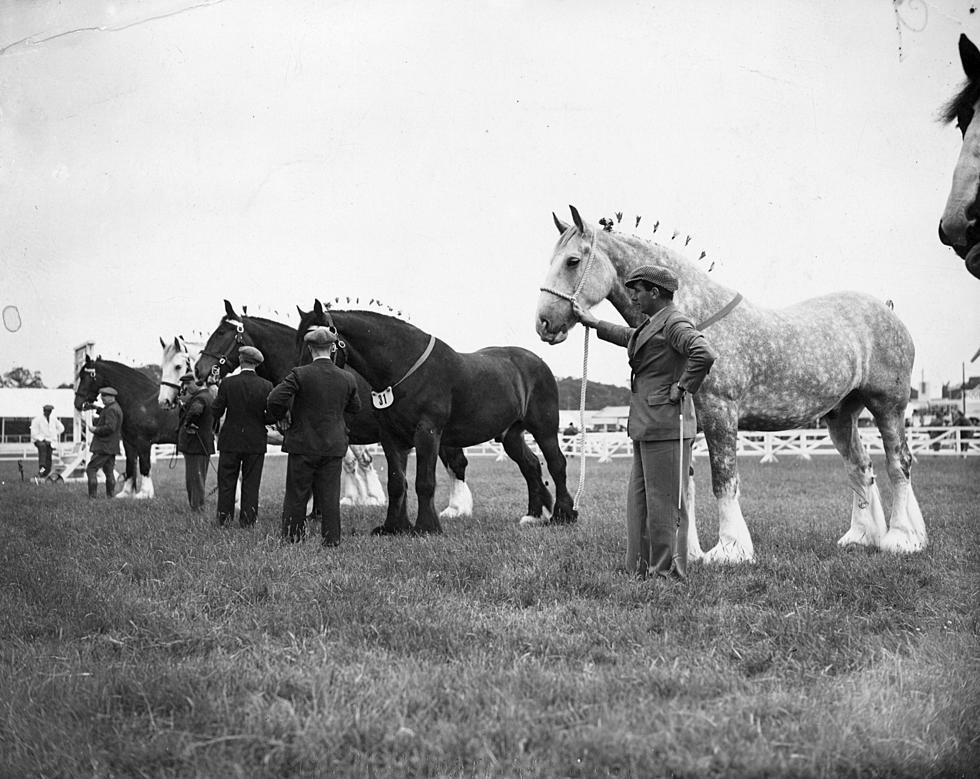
[
  {"x": 188, "y": 377},
  {"x": 654, "y": 274},
  {"x": 320, "y": 336},
  {"x": 48, "y": 407},
  {"x": 108, "y": 391},
  {"x": 250, "y": 354}
]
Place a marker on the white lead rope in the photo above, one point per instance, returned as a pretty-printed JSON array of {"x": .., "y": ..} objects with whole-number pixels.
[{"x": 585, "y": 368}]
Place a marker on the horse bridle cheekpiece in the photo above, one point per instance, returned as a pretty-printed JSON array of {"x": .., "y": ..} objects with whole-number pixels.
[{"x": 240, "y": 340}]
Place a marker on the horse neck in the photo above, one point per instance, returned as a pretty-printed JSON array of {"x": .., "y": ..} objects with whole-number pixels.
[
  {"x": 276, "y": 341},
  {"x": 698, "y": 296},
  {"x": 380, "y": 348},
  {"x": 131, "y": 385}
]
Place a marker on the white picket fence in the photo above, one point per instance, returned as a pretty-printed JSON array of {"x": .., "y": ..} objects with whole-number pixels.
[{"x": 769, "y": 447}]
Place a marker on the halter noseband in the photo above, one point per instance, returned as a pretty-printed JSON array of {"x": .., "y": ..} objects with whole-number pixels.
[{"x": 222, "y": 359}]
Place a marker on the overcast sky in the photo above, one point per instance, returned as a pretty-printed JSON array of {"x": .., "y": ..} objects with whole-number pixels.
[{"x": 157, "y": 157}]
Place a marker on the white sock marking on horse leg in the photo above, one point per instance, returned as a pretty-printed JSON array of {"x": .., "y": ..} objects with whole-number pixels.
[
  {"x": 128, "y": 489},
  {"x": 374, "y": 491},
  {"x": 907, "y": 532},
  {"x": 694, "y": 550},
  {"x": 460, "y": 499},
  {"x": 867, "y": 515},
  {"x": 734, "y": 542},
  {"x": 146, "y": 491}
]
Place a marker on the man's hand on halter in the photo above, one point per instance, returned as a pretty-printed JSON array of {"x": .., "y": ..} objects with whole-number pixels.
[{"x": 587, "y": 318}]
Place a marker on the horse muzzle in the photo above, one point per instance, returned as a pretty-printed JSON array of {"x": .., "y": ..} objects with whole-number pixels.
[{"x": 549, "y": 333}]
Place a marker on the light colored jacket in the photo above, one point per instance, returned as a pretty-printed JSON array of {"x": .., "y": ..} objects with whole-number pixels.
[{"x": 46, "y": 429}]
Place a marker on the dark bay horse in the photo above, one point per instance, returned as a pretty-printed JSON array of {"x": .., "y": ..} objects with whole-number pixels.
[
  {"x": 428, "y": 395},
  {"x": 144, "y": 422},
  {"x": 276, "y": 341},
  {"x": 959, "y": 226},
  {"x": 777, "y": 369}
]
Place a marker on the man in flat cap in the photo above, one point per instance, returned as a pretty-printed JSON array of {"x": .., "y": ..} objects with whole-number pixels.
[
  {"x": 195, "y": 437},
  {"x": 241, "y": 437},
  {"x": 106, "y": 430},
  {"x": 46, "y": 431},
  {"x": 668, "y": 359},
  {"x": 317, "y": 395}
]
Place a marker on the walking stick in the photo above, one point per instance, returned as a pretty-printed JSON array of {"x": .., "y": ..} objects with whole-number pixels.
[{"x": 680, "y": 454}]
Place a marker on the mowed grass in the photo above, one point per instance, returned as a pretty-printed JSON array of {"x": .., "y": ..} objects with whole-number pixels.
[{"x": 140, "y": 640}]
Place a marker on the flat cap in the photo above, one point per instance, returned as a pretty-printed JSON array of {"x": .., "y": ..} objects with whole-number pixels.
[
  {"x": 188, "y": 377},
  {"x": 250, "y": 354},
  {"x": 47, "y": 407},
  {"x": 654, "y": 274},
  {"x": 108, "y": 391},
  {"x": 320, "y": 336}
]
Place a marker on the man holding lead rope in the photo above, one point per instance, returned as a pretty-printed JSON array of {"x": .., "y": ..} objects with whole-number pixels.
[{"x": 668, "y": 359}]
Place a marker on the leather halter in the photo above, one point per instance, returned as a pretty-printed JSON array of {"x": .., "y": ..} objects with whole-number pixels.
[{"x": 241, "y": 339}]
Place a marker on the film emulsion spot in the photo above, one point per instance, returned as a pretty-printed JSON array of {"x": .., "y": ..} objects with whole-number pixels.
[{"x": 11, "y": 318}]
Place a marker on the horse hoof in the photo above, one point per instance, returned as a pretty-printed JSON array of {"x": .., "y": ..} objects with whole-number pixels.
[
  {"x": 529, "y": 521},
  {"x": 564, "y": 517},
  {"x": 384, "y": 530}
]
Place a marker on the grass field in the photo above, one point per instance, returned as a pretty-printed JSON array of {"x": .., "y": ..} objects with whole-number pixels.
[{"x": 140, "y": 640}]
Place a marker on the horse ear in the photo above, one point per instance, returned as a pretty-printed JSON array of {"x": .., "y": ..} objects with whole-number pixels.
[
  {"x": 318, "y": 307},
  {"x": 577, "y": 219},
  {"x": 229, "y": 311},
  {"x": 562, "y": 227},
  {"x": 970, "y": 57},
  {"x": 177, "y": 344},
  {"x": 302, "y": 313},
  {"x": 163, "y": 344}
]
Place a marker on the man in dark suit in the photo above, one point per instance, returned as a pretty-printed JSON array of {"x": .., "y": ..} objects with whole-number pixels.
[
  {"x": 241, "y": 437},
  {"x": 317, "y": 396},
  {"x": 195, "y": 438},
  {"x": 106, "y": 433},
  {"x": 669, "y": 360}
]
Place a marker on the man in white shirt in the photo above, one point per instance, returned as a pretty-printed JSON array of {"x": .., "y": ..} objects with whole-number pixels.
[{"x": 46, "y": 431}]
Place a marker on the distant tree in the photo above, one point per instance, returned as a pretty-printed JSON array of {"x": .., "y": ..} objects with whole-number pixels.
[
  {"x": 597, "y": 395},
  {"x": 23, "y": 378},
  {"x": 66, "y": 385}
]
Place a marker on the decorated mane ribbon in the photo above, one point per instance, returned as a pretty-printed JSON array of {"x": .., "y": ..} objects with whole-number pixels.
[
  {"x": 722, "y": 313},
  {"x": 386, "y": 397}
]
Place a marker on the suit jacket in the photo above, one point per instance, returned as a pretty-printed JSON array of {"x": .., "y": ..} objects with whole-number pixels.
[
  {"x": 241, "y": 399},
  {"x": 196, "y": 432},
  {"x": 107, "y": 430},
  {"x": 318, "y": 394},
  {"x": 664, "y": 350}
]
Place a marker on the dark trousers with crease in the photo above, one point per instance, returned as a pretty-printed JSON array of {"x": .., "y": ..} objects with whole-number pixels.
[
  {"x": 317, "y": 475},
  {"x": 656, "y": 530},
  {"x": 195, "y": 475},
  {"x": 44, "y": 450},
  {"x": 230, "y": 464},
  {"x": 105, "y": 463}
]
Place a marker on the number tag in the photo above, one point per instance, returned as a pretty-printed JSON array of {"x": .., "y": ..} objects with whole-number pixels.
[{"x": 382, "y": 399}]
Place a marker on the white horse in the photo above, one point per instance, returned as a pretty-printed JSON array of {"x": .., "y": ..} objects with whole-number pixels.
[
  {"x": 960, "y": 223},
  {"x": 777, "y": 369}
]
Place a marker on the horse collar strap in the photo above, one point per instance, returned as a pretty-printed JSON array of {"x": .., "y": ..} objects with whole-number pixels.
[
  {"x": 722, "y": 313},
  {"x": 386, "y": 397}
]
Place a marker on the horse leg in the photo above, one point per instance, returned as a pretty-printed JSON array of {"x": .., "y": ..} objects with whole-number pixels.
[
  {"x": 348, "y": 480},
  {"x": 460, "y": 497},
  {"x": 426, "y": 454},
  {"x": 396, "y": 519},
  {"x": 146, "y": 490},
  {"x": 694, "y": 550},
  {"x": 129, "y": 482},
  {"x": 564, "y": 510},
  {"x": 907, "y": 530},
  {"x": 867, "y": 516},
  {"x": 720, "y": 423},
  {"x": 539, "y": 501},
  {"x": 374, "y": 494}
]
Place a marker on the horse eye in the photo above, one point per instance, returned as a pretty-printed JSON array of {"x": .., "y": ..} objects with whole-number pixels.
[{"x": 571, "y": 262}]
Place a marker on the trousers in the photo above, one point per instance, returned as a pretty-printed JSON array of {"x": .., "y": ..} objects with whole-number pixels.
[
  {"x": 107, "y": 464},
  {"x": 317, "y": 475},
  {"x": 195, "y": 475},
  {"x": 43, "y": 457},
  {"x": 230, "y": 464},
  {"x": 656, "y": 530}
]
